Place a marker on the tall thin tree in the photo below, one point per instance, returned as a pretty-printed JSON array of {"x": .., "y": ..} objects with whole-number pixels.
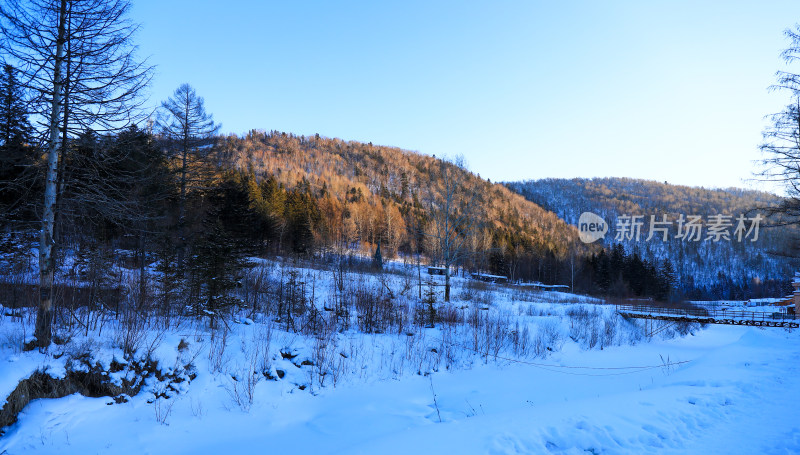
[
  {"x": 451, "y": 208},
  {"x": 781, "y": 145},
  {"x": 189, "y": 130}
]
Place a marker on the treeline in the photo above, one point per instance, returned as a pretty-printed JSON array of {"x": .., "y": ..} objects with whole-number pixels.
[
  {"x": 726, "y": 287},
  {"x": 618, "y": 274},
  {"x": 117, "y": 206}
]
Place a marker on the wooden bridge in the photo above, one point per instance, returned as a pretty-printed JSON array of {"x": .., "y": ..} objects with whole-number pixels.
[{"x": 710, "y": 316}]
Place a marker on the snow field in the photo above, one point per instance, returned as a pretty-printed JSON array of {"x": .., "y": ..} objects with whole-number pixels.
[{"x": 509, "y": 371}]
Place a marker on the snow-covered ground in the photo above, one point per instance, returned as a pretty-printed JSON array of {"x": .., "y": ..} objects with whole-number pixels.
[{"x": 719, "y": 389}]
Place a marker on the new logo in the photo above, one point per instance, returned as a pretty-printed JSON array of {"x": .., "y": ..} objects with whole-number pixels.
[{"x": 591, "y": 227}]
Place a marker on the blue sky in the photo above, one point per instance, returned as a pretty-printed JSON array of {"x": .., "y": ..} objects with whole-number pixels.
[{"x": 670, "y": 91}]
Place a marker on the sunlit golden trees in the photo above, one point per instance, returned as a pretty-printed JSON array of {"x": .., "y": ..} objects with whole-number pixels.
[{"x": 368, "y": 194}]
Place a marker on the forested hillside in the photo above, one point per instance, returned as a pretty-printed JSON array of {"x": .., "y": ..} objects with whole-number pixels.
[
  {"x": 616, "y": 196},
  {"x": 134, "y": 197},
  {"x": 366, "y": 194},
  {"x": 704, "y": 268}
]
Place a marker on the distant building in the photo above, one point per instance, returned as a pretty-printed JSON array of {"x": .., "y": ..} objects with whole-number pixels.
[
  {"x": 554, "y": 287},
  {"x": 489, "y": 278},
  {"x": 436, "y": 270},
  {"x": 546, "y": 287}
]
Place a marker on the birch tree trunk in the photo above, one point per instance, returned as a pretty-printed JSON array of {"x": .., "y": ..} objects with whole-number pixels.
[
  {"x": 75, "y": 58},
  {"x": 44, "y": 318}
]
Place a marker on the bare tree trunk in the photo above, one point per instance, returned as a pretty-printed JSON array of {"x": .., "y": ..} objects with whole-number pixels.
[
  {"x": 447, "y": 284},
  {"x": 182, "y": 213},
  {"x": 142, "y": 271},
  {"x": 452, "y": 213},
  {"x": 44, "y": 318},
  {"x": 182, "y": 201},
  {"x": 419, "y": 275}
]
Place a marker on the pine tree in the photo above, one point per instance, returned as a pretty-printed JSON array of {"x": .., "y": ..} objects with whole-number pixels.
[
  {"x": 603, "y": 271},
  {"x": 169, "y": 276},
  {"x": 378, "y": 258},
  {"x": 17, "y": 156},
  {"x": 15, "y": 130},
  {"x": 430, "y": 316},
  {"x": 216, "y": 267},
  {"x": 220, "y": 255},
  {"x": 189, "y": 132},
  {"x": 303, "y": 216},
  {"x": 668, "y": 280}
]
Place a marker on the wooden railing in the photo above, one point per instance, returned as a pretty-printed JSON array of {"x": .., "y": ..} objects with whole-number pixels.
[{"x": 707, "y": 313}]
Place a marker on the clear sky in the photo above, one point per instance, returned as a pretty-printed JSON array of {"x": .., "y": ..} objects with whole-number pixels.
[{"x": 666, "y": 90}]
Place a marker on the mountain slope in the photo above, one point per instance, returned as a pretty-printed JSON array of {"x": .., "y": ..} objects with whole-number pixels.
[
  {"x": 617, "y": 196},
  {"x": 370, "y": 193},
  {"x": 705, "y": 267}
]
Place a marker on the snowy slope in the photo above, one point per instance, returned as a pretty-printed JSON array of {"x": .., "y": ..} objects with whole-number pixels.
[{"x": 739, "y": 393}]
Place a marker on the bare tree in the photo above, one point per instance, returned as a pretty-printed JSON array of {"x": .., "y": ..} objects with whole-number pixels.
[
  {"x": 184, "y": 122},
  {"x": 451, "y": 206},
  {"x": 782, "y": 138},
  {"x": 77, "y": 61}
]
